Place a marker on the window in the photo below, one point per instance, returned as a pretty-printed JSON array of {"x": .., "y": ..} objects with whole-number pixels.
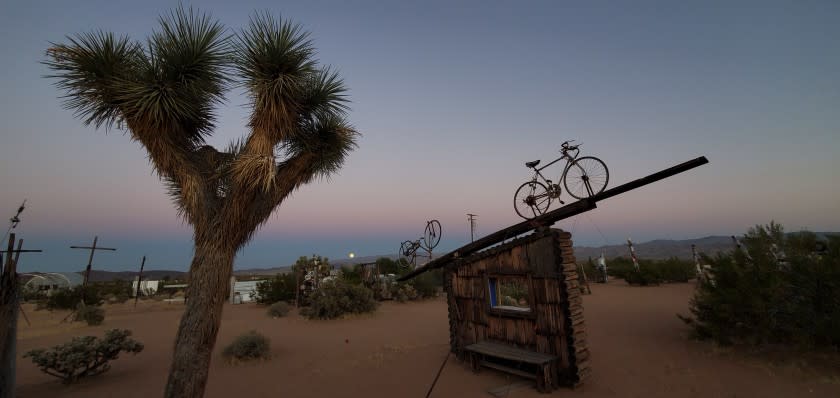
[{"x": 509, "y": 293}]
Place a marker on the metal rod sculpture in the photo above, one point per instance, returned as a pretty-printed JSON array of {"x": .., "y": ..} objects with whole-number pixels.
[
  {"x": 697, "y": 268},
  {"x": 429, "y": 240},
  {"x": 633, "y": 254},
  {"x": 15, "y": 220}
]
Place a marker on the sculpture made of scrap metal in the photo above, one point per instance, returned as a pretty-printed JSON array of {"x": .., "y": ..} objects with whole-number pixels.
[{"x": 430, "y": 239}]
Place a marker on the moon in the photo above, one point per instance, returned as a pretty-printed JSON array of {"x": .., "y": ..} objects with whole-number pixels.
[{"x": 352, "y": 254}]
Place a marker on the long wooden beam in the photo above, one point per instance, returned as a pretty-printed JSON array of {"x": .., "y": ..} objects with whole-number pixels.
[{"x": 547, "y": 219}]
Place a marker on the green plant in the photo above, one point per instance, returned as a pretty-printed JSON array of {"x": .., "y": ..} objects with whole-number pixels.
[
  {"x": 90, "y": 314},
  {"x": 428, "y": 284},
  {"x": 336, "y": 298},
  {"x": 757, "y": 298},
  {"x": 387, "y": 266},
  {"x": 84, "y": 356},
  {"x": 645, "y": 276},
  {"x": 248, "y": 346},
  {"x": 279, "y": 288},
  {"x": 68, "y": 299},
  {"x": 279, "y": 309},
  {"x": 403, "y": 292},
  {"x": 352, "y": 274}
]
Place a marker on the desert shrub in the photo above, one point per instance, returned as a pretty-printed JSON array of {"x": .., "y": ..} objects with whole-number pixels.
[
  {"x": 756, "y": 299},
  {"x": 279, "y": 309},
  {"x": 116, "y": 291},
  {"x": 387, "y": 266},
  {"x": 675, "y": 270},
  {"x": 90, "y": 314},
  {"x": 279, "y": 288},
  {"x": 248, "y": 346},
  {"x": 336, "y": 298},
  {"x": 84, "y": 356},
  {"x": 68, "y": 299},
  {"x": 651, "y": 272},
  {"x": 352, "y": 274},
  {"x": 619, "y": 267},
  {"x": 428, "y": 284},
  {"x": 403, "y": 292},
  {"x": 645, "y": 276}
]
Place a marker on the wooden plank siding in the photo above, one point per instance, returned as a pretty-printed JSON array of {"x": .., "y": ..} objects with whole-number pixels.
[{"x": 555, "y": 325}]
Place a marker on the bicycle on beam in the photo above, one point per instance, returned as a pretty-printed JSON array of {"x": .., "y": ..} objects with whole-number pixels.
[{"x": 582, "y": 177}]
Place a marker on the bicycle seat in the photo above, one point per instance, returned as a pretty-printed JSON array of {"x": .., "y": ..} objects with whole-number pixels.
[{"x": 532, "y": 164}]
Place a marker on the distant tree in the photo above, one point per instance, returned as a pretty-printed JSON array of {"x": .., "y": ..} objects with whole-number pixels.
[
  {"x": 279, "y": 288},
  {"x": 163, "y": 92},
  {"x": 388, "y": 266}
]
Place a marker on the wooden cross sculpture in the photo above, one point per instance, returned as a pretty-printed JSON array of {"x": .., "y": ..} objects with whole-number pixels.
[{"x": 93, "y": 249}]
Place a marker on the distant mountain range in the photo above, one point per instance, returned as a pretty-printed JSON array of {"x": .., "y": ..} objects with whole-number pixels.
[{"x": 655, "y": 249}]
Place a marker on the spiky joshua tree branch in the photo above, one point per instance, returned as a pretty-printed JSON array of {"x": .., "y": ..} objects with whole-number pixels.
[{"x": 164, "y": 91}]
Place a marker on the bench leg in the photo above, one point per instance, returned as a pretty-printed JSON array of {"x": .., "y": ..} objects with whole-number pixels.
[
  {"x": 542, "y": 386},
  {"x": 475, "y": 362}
]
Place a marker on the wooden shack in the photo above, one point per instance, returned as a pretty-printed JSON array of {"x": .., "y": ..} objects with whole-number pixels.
[{"x": 517, "y": 308}]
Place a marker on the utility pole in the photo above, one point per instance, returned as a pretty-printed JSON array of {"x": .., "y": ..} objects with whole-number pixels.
[
  {"x": 472, "y": 217},
  {"x": 93, "y": 249}
]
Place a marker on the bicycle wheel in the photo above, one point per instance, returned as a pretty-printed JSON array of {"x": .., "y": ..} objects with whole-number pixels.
[
  {"x": 432, "y": 235},
  {"x": 531, "y": 199},
  {"x": 585, "y": 177},
  {"x": 405, "y": 251}
]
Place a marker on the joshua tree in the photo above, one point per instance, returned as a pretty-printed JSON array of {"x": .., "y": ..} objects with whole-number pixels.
[{"x": 163, "y": 93}]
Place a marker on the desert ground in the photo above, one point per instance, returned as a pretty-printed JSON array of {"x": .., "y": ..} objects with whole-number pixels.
[{"x": 639, "y": 349}]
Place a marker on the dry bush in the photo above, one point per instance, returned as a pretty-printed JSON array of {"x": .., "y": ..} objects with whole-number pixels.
[
  {"x": 247, "y": 347},
  {"x": 84, "y": 356},
  {"x": 90, "y": 314},
  {"x": 336, "y": 298},
  {"x": 279, "y": 309}
]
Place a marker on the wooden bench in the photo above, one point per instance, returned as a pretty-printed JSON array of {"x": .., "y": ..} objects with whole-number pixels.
[{"x": 482, "y": 353}]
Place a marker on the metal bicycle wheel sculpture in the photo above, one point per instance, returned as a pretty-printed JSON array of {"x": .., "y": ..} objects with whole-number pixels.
[{"x": 431, "y": 238}]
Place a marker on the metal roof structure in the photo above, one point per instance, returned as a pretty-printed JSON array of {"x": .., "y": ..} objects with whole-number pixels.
[{"x": 53, "y": 280}]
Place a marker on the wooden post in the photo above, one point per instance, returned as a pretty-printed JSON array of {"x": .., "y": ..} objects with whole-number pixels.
[
  {"x": 297, "y": 287},
  {"x": 139, "y": 281},
  {"x": 92, "y": 248},
  {"x": 8, "y": 323},
  {"x": 9, "y": 307}
]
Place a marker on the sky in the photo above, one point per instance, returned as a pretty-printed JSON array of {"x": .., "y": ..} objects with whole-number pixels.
[{"x": 452, "y": 98}]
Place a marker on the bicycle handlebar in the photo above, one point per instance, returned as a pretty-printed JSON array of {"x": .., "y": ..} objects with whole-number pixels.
[{"x": 565, "y": 145}]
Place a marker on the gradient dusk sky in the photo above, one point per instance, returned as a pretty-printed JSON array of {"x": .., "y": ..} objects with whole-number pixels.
[{"x": 452, "y": 97}]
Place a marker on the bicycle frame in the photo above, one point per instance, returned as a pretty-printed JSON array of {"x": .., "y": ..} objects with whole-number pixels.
[{"x": 569, "y": 159}]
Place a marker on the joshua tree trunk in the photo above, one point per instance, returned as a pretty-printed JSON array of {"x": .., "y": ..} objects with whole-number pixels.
[{"x": 210, "y": 273}]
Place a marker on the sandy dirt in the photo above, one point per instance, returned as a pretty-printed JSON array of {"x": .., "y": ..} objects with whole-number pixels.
[{"x": 639, "y": 349}]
